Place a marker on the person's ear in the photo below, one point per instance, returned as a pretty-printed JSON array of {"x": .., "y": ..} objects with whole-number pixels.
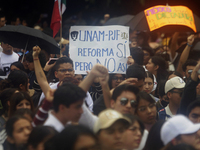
[
  {"x": 169, "y": 95},
  {"x": 56, "y": 74},
  {"x": 112, "y": 104},
  {"x": 175, "y": 141},
  {"x": 10, "y": 140},
  {"x": 62, "y": 108},
  {"x": 156, "y": 67},
  {"x": 21, "y": 87}
]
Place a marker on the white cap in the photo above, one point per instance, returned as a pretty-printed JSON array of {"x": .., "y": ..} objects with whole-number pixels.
[
  {"x": 175, "y": 126},
  {"x": 175, "y": 82},
  {"x": 107, "y": 118}
]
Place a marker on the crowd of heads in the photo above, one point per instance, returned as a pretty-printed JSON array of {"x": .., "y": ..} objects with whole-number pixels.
[{"x": 155, "y": 105}]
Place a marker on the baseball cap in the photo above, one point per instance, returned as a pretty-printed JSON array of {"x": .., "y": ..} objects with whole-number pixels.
[
  {"x": 107, "y": 118},
  {"x": 175, "y": 82},
  {"x": 175, "y": 126}
]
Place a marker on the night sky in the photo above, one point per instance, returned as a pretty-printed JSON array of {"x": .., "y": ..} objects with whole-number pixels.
[{"x": 31, "y": 9}]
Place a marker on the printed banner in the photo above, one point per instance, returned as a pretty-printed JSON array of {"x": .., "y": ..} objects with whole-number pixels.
[
  {"x": 107, "y": 45},
  {"x": 159, "y": 16}
]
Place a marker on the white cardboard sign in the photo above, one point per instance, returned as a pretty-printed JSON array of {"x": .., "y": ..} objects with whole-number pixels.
[{"x": 107, "y": 45}]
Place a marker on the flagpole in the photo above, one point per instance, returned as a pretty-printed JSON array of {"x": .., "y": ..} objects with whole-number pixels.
[{"x": 61, "y": 35}]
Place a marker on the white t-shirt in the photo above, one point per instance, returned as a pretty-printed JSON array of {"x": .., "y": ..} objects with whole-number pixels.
[
  {"x": 88, "y": 98},
  {"x": 7, "y": 60}
]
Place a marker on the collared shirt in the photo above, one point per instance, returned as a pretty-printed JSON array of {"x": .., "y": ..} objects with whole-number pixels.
[
  {"x": 52, "y": 121},
  {"x": 168, "y": 112}
]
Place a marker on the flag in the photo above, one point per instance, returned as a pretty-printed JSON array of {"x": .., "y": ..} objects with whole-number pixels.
[{"x": 58, "y": 9}]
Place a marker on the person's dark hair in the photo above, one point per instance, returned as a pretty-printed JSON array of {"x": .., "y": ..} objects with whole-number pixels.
[
  {"x": 40, "y": 134},
  {"x": 163, "y": 66},
  {"x": 71, "y": 134},
  {"x": 189, "y": 62},
  {"x": 51, "y": 75},
  {"x": 136, "y": 119},
  {"x": 145, "y": 38},
  {"x": 41, "y": 56},
  {"x": 148, "y": 49},
  {"x": 24, "y": 111},
  {"x": 175, "y": 73},
  {"x": 16, "y": 99},
  {"x": 137, "y": 54},
  {"x": 5, "y": 96},
  {"x": 2, "y": 15},
  {"x": 15, "y": 78},
  {"x": 192, "y": 106},
  {"x": 10, "y": 124},
  {"x": 18, "y": 65},
  {"x": 161, "y": 88},
  {"x": 111, "y": 77},
  {"x": 135, "y": 71},
  {"x": 154, "y": 141},
  {"x": 149, "y": 75},
  {"x": 125, "y": 87},
  {"x": 72, "y": 80},
  {"x": 67, "y": 94},
  {"x": 143, "y": 95}
]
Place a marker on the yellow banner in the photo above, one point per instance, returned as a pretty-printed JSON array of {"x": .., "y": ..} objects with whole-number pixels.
[{"x": 159, "y": 16}]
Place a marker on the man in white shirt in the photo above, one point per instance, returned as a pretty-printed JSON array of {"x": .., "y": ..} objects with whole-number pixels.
[
  {"x": 67, "y": 102},
  {"x": 7, "y": 57},
  {"x": 173, "y": 89}
]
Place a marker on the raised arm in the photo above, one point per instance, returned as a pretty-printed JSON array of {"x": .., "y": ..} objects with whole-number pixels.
[
  {"x": 41, "y": 78},
  {"x": 97, "y": 71},
  {"x": 185, "y": 53}
]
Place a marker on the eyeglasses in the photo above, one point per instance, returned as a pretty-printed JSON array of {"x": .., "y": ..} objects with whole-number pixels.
[
  {"x": 144, "y": 108},
  {"x": 65, "y": 70},
  {"x": 179, "y": 92},
  {"x": 118, "y": 78},
  {"x": 124, "y": 102}
]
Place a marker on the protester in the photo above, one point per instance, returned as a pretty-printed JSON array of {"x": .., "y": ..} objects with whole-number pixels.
[
  {"x": 7, "y": 57},
  {"x": 174, "y": 90},
  {"x": 18, "y": 129},
  {"x": 179, "y": 129},
  {"x": 193, "y": 111},
  {"x": 17, "y": 66},
  {"x": 20, "y": 100},
  {"x": 110, "y": 129}
]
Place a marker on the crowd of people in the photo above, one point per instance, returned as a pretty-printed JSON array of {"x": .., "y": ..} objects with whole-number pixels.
[{"x": 154, "y": 106}]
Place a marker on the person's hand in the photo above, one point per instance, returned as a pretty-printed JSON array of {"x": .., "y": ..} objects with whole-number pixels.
[
  {"x": 130, "y": 81},
  {"x": 50, "y": 95},
  {"x": 130, "y": 60},
  {"x": 47, "y": 67},
  {"x": 104, "y": 80},
  {"x": 99, "y": 71},
  {"x": 36, "y": 51},
  {"x": 190, "y": 39}
]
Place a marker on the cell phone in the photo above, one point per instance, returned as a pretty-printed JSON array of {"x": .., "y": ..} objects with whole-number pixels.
[{"x": 52, "y": 60}]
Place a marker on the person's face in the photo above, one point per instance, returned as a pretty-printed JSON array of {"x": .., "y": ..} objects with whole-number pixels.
[
  {"x": 175, "y": 96},
  {"x": 146, "y": 57},
  {"x": 133, "y": 136},
  {"x": 124, "y": 108},
  {"x": 64, "y": 70},
  {"x": 21, "y": 131},
  {"x": 79, "y": 77},
  {"x": 13, "y": 67},
  {"x": 151, "y": 66},
  {"x": 2, "y": 22},
  {"x": 146, "y": 111},
  {"x": 190, "y": 69},
  {"x": 6, "y": 47},
  {"x": 192, "y": 139},
  {"x": 73, "y": 112},
  {"x": 30, "y": 65},
  {"x": 85, "y": 142},
  {"x": 194, "y": 115},
  {"x": 23, "y": 104},
  {"x": 148, "y": 85},
  {"x": 112, "y": 137},
  {"x": 116, "y": 80}
]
